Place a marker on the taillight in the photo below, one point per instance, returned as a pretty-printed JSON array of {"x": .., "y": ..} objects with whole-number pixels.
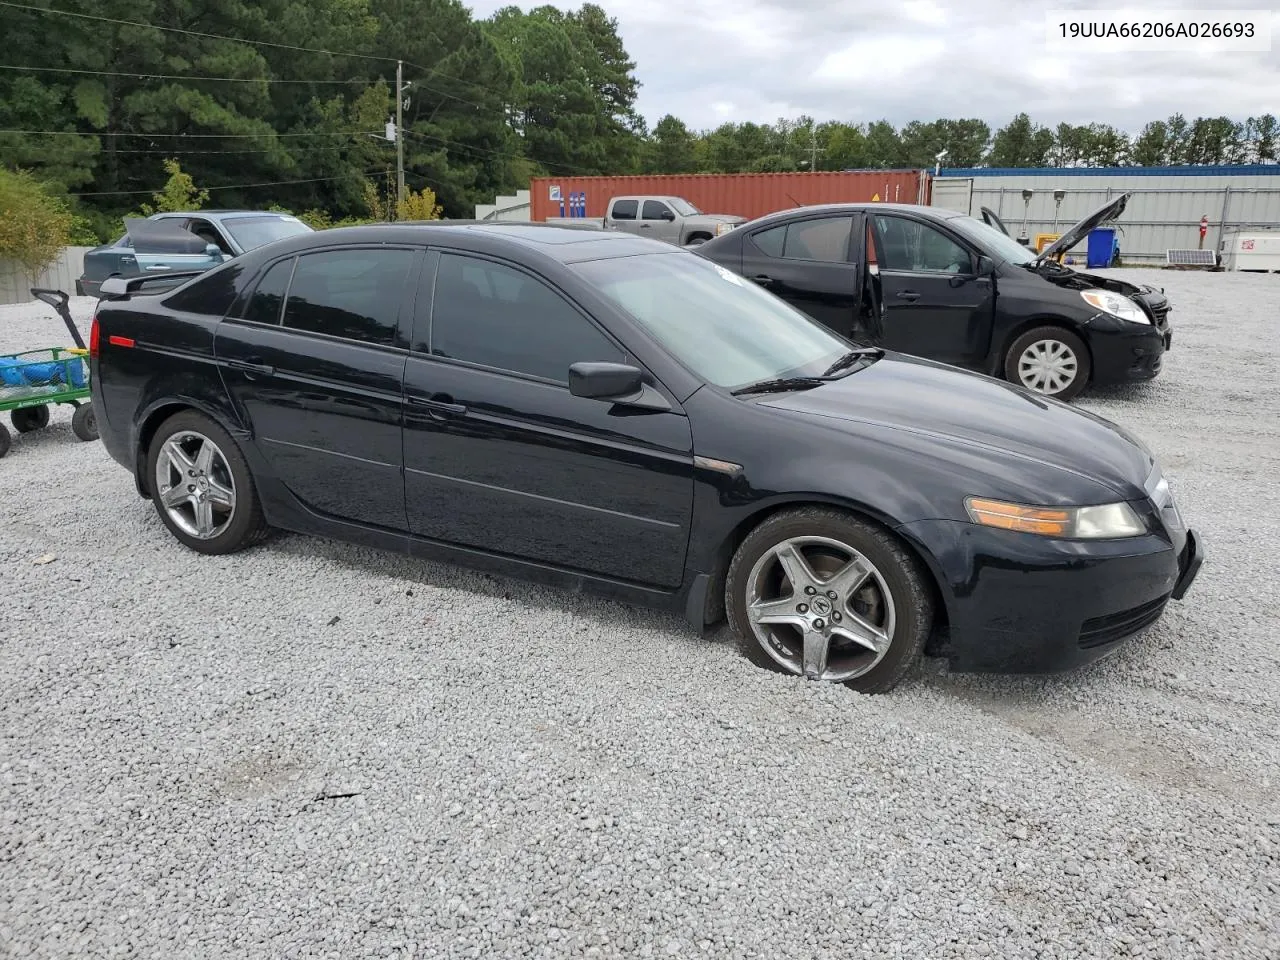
[{"x": 93, "y": 337}]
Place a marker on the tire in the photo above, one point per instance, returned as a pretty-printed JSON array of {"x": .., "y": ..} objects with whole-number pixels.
[
  {"x": 215, "y": 528},
  {"x": 84, "y": 422},
  {"x": 5, "y": 440},
  {"x": 837, "y": 548},
  {"x": 697, "y": 240},
  {"x": 1062, "y": 349},
  {"x": 27, "y": 419}
]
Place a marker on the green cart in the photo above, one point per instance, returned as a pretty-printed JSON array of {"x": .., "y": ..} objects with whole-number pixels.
[{"x": 32, "y": 380}]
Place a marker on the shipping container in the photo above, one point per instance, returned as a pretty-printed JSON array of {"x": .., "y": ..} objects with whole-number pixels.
[{"x": 748, "y": 195}]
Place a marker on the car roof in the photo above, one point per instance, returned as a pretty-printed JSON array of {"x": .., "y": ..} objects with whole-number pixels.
[
  {"x": 222, "y": 214},
  {"x": 562, "y": 242},
  {"x": 941, "y": 213}
]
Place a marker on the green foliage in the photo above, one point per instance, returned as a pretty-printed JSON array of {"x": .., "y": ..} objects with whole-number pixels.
[
  {"x": 178, "y": 194},
  {"x": 34, "y": 224}
]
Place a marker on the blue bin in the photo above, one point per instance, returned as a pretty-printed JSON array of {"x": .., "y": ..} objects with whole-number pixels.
[{"x": 1102, "y": 247}]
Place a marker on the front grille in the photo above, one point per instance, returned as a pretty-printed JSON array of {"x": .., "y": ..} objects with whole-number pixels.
[
  {"x": 1161, "y": 316},
  {"x": 1101, "y": 631}
]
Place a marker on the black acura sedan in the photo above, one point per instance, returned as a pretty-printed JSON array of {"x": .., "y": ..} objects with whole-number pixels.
[
  {"x": 941, "y": 285},
  {"x": 604, "y": 411}
]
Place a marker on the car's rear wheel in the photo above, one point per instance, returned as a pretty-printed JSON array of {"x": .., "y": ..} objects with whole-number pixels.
[
  {"x": 201, "y": 485},
  {"x": 820, "y": 593},
  {"x": 1050, "y": 361}
]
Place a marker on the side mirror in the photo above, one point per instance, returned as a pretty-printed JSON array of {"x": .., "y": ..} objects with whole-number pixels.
[
  {"x": 113, "y": 287},
  {"x": 605, "y": 381},
  {"x": 213, "y": 250},
  {"x": 986, "y": 266},
  {"x": 618, "y": 383},
  {"x": 668, "y": 216}
]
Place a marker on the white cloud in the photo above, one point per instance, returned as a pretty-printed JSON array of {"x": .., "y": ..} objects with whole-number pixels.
[{"x": 708, "y": 61}]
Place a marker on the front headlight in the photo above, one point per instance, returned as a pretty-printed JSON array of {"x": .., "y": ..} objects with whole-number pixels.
[
  {"x": 1116, "y": 305},
  {"x": 722, "y": 228},
  {"x": 1102, "y": 522}
]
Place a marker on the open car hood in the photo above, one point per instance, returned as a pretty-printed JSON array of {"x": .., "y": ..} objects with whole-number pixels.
[
  {"x": 162, "y": 236},
  {"x": 1078, "y": 231}
]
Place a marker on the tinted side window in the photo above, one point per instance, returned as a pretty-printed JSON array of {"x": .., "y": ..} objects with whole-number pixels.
[
  {"x": 494, "y": 315},
  {"x": 654, "y": 209},
  {"x": 914, "y": 247},
  {"x": 354, "y": 294},
  {"x": 825, "y": 239},
  {"x": 770, "y": 241},
  {"x": 625, "y": 210},
  {"x": 267, "y": 301}
]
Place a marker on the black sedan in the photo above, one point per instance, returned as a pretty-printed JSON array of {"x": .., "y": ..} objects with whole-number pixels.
[
  {"x": 941, "y": 285},
  {"x": 597, "y": 410}
]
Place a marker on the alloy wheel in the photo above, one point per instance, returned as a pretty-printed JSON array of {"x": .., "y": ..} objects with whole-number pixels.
[
  {"x": 820, "y": 609},
  {"x": 195, "y": 486}
]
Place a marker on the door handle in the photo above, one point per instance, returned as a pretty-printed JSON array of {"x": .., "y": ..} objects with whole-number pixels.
[
  {"x": 264, "y": 369},
  {"x": 645, "y": 226},
  {"x": 762, "y": 279},
  {"x": 442, "y": 404},
  {"x": 908, "y": 295}
]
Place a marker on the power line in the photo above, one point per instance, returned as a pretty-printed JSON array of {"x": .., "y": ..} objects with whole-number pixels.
[
  {"x": 229, "y": 186},
  {"x": 169, "y": 76},
  {"x": 495, "y": 153},
  {"x": 217, "y": 136},
  {"x": 191, "y": 33}
]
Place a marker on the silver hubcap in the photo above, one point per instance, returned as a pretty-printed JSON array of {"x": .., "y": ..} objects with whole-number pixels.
[
  {"x": 194, "y": 485},
  {"x": 1048, "y": 366},
  {"x": 820, "y": 609}
]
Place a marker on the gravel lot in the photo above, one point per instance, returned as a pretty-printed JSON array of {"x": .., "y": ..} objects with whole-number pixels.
[{"x": 315, "y": 750}]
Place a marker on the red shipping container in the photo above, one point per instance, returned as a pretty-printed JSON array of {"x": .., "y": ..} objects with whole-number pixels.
[{"x": 747, "y": 195}]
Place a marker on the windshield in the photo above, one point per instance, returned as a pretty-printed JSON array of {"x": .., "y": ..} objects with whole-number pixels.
[
  {"x": 998, "y": 244},
  {"x": 725, "y": 329},
  {"x": 251, "y": 232},
  {"x": 684, "y": 207}
]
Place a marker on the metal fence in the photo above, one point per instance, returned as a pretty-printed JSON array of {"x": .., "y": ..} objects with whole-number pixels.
[
  {"x": 16, "y": 282},
  {"x": 1163, "y": 213}
]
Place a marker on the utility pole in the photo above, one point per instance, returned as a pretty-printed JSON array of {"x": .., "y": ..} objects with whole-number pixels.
[
  {"x": 399, "y": 133},
  {"x": 813, "y": 149}
]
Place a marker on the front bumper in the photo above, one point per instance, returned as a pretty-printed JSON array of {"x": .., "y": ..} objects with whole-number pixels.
[
  {"x": 1019, "y": 603},
  {"x": 1127, "y": 352}
]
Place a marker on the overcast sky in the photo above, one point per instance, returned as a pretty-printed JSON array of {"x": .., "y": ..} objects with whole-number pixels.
[{"x": 709, "y": 61}]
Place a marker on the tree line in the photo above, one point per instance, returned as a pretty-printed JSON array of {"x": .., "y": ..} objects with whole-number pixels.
[{"x": 284, "y": 103}]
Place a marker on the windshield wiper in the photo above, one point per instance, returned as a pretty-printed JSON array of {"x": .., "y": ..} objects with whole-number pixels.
[
  {"x": 779, "y": 385},
  {"x": 871, "y": 354}
]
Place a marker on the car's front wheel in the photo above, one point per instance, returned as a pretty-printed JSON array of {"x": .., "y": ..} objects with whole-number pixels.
[
  {"x": 1051, "y": 361},
  {"x": 201, "y": 485},
  {"x": 820, "y": 593}
]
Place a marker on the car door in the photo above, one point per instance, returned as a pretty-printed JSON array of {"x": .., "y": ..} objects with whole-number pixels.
[
  {"x": 658, "y": 220},
  {"x": 209, "y": 232},
  {"x": 624, "y": 215},
  {"x": 500, "y": 456},
  {"x": 314, "y": 362},
  {"x": 808, "y": 262},
  {"x": 933, "y": 303}
]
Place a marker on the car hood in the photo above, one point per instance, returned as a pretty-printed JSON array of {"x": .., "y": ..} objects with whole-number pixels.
[
  {"x": 1079, "y": 230},
  {"x": 953, "y": 407},
  {"x": 719, "y": 218}
]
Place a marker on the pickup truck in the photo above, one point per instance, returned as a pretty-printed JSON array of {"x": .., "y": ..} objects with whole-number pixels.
[{"x": 672, "y": 219}]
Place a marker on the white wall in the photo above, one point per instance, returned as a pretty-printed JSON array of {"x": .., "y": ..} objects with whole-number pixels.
[{"x": 62, "y": 274}]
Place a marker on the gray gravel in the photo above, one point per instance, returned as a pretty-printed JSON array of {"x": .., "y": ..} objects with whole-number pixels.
[{"x": 315, "y": 750}]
